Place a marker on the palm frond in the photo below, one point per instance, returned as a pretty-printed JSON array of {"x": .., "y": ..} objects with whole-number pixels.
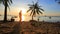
[
  {"x": 33, "y": 2},
  {"x": 37, "y": 11},
  {"x": 28, "y": 10},
  {"x": 41, "y": 9},
  {"x": 11, "y": 1},
  {"x": 39, "y": 6},
  {"x": 58, "y": 1},
  {"x": 30, "y": 5},
  {"x": 34, "y": 12},
  {"x": 31, "y": 12},
  {"x": 40, "y": 12}
]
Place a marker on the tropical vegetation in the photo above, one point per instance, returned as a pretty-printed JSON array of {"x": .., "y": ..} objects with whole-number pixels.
[
  {"x": 35, "y": 9},
  {"x": 6, "y": 4}
]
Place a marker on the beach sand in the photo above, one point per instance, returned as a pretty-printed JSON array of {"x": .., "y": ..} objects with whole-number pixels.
[
  {"x": 40, "y": 28},
  {"x": 29, "y": 28},
  {"x": 9, "y": 28}
]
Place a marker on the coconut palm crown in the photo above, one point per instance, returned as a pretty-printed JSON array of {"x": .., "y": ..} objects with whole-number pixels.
[{"x": 35, "y": 9}]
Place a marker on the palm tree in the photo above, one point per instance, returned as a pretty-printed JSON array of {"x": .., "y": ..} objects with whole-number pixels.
[
  {"x": 6, "y": 4},
  {"x": 35, "y": 9}
]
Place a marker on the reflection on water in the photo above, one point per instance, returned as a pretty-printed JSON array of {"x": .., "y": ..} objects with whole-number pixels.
[
  {"x": 53, "y": 19},
  {"x": 27, "y": 18}
]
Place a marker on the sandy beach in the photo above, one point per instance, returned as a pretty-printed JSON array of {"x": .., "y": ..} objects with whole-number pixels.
[
  {"x": 9, "y": 28},
  {"x": 40, "y": 27},
  {"x": 29, "y": 28}
]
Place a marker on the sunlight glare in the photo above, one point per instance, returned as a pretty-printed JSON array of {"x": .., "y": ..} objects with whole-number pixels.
[
  {"x": 23, "y": 18},
  {"x": 23, "y": 13},
  {"x": 23, "y": 10}
]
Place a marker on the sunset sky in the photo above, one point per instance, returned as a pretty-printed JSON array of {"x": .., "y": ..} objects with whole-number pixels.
[{"x": 50, "y": 6}]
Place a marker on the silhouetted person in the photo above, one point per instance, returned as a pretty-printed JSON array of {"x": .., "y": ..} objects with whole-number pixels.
[
  {"x": 12, "y": 19},
  {"x": 20, "y": 15},
  {"x": 38, "y": 19},
  {"x": 49, "y": 17}
]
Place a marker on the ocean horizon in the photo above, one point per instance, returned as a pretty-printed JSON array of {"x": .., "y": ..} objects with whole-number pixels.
[{"x": 41, "y": 18}]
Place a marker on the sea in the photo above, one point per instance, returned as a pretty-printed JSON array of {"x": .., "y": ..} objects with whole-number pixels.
[{"x": 41, "y": 18}]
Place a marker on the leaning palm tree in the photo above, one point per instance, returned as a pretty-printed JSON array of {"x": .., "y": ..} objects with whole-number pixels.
[
  {"x": 6, "y": 4},
  {"x": 35, "y": 9}
]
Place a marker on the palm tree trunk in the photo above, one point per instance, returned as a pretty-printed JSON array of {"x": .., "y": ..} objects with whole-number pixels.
[
  {"x": 32, "y": 17},
  {"x": 5, "y": 13}
]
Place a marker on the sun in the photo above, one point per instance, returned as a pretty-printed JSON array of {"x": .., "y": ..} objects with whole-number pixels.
[{"x": 23, "y": 10}]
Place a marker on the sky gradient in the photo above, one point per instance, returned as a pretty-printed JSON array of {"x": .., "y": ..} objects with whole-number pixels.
[{"x": 50, "y": 6}]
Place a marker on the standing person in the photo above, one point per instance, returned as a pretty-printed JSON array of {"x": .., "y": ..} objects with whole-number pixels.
[
  {"x": 38, "y": 19},
  {"x": 20, "y": 15}
]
